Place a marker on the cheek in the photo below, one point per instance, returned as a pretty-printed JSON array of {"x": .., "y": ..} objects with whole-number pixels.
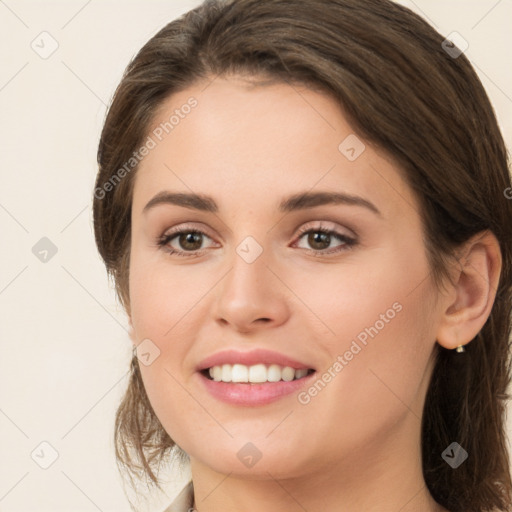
[
  {"x": 162, "y": 311},
  {"x": 168, "y": 307},
  {"x": 163, "y": 296},
  {"x": 369, "y": 303},
  {"x": 381, "y": 323}
]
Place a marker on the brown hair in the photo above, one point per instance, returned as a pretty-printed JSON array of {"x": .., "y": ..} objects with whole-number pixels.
[{"x": 400, "y": 90}]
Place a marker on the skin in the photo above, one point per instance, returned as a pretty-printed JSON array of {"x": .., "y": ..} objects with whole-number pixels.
[{"x": 356, "y": 445}]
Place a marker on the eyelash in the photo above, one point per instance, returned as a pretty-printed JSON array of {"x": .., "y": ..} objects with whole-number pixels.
[{"x": 164, "y": 240}]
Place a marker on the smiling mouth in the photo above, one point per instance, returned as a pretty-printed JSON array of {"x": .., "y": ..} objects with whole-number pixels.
[{"x": 255, "y": 374}]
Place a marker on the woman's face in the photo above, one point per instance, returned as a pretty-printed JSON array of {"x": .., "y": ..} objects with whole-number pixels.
[{"x": 356, "y": 305}]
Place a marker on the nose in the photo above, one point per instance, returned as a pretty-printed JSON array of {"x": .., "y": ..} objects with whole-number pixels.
[{"x": 251, "y": 296}]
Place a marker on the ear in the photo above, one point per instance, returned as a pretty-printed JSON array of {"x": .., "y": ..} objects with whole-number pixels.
[{"x": 472, "y": 292}]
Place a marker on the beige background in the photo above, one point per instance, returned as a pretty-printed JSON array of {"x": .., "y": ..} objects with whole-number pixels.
[{"x": 64, "y": 347}]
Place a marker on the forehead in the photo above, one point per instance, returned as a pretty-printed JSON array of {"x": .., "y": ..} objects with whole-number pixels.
[{"x": 237, "y": 141}]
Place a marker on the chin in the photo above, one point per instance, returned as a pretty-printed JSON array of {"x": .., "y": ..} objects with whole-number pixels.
[{"x": 247, "y": 459}]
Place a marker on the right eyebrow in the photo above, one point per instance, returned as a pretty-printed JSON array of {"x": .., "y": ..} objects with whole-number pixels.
[{"x": 187, "y": 200}]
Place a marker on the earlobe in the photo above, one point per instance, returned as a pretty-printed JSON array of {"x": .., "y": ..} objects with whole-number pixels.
[{"x": 473, "y": 291}]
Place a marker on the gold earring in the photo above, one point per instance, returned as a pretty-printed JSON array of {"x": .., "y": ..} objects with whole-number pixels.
[{"x": 460, "y": 349}]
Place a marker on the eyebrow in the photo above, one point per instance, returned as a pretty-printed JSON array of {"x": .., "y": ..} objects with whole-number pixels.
[{"x": 295, "y": 202}]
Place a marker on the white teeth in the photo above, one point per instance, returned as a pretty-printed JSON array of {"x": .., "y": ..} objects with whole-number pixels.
[
  {"x": 217, "y": 373},
  {"x": 287, "y": 374},
  {"x": 274, "y": 373},
  {"x": 301, "y": 373},
  {"x": 226, "y": 373},
  {"x": 239, "y": 373},
  {"x": 257, "y": 373}
]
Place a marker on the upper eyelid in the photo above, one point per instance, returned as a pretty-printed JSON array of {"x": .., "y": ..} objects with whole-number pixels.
[
  {"x": 325, "y": 224},
  {"x": 186, "y": 228},
  {"x": 328, "y": 225}
]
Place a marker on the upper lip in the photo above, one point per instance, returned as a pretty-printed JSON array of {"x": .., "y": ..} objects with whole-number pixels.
[{"x": 250, "y": 358}]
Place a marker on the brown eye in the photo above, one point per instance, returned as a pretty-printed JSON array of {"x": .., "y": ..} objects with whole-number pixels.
[
  {"x": 319, "y": 239},
  {"x": 184, "y": 242},
  {"x": 190, "y": 241}
]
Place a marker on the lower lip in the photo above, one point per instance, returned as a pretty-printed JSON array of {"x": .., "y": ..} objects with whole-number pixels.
[{"x": 253, "y": 394}]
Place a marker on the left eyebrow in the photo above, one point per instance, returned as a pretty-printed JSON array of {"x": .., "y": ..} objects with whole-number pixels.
[
  {"x": 306, "y": 200},
  {"x": 300, "y": 201}
]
